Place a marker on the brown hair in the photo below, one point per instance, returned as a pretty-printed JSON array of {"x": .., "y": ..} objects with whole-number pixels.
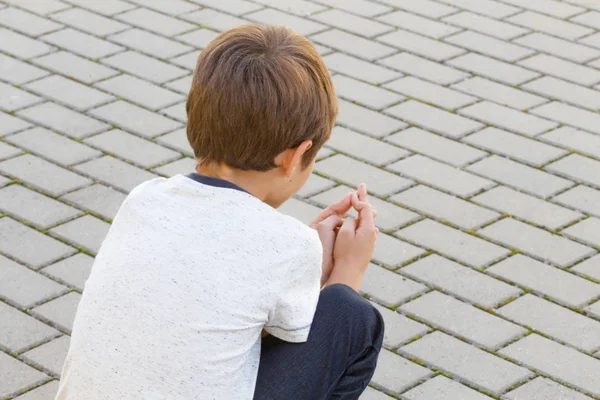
[{"x": 257, "y": 91}]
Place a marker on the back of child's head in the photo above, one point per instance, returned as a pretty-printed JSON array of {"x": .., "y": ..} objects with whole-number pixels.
[{"x": 257, "y": 91}]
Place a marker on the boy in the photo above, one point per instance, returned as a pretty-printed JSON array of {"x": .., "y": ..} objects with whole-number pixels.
[{"x": 196, "y": 267}]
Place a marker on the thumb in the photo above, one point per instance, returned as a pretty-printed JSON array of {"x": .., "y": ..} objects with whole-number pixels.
[{"x": 329, "y": 223}]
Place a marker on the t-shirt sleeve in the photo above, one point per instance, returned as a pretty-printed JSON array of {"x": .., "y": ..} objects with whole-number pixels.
[{"x": 292, "y": 316}]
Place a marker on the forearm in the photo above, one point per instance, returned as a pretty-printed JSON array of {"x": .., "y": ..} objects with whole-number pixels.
[{"x": 346, "y": 275}]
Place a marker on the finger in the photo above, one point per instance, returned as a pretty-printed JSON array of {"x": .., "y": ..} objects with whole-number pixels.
[
  {"x": 340, "y": 208},
  {"x": 362, "y": 192},
  {"x": 366, "y": 218},
  {"x": 348, "y": 227},
  {"x": 329, "y": 223}
]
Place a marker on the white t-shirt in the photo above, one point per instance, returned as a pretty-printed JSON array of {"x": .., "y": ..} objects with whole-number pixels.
[{"x": 192, "y": 270}]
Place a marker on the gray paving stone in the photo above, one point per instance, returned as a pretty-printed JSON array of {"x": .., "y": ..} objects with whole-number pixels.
[
  {"x": 372, "y": 394},
  {"x": 199, "y": 38},
  {"x": 155, "y": 22},
  {"x": 50, "y": 355},
  {"x": 19, "y": 284},
  {"x": 560, "y": 68},
  {"x": 115, "y": 172},
  {"x": 529, "y": 151},
  {"x": 236, "y": 7},
  {"x": 364, "y": 147},
  {"x": 453, "y": 243},
  {"x": 389, "y": 216},
  {"x": 3, "y": 181},
  {"x": 536, "y": 242},
  {"x": 301, "y": 25},
  {"x": 490, "y": 8},
  {"x": 398, "y": 328},
  {"x": 18, "y": 72},
  {"x": 173, "y": 7},
  {"x": 436, "y": 147},
  {"x": 352, "y": 23},
  {"x": 426, "y": 8},
  {"x": 135, "y": 119},
  {"x": 393, "y": 252},
  {"x": 44, "y": 8},
  {"x": 555, "y": 321},
  {"x": 549, "y": 7},
  {"x": 559, "y": 285},
  {"x": 7, "y": 151},
  {"x": 42, "y": 174},
  {"x": 490, "y": 46},
  {"x": 360, "y": 7},
  {"x": 16, "y": 375},
  {"x": 10, "y": 124},
  {"x": 587, "y": 231},
  {"x": 299, "y": 7},
  {"x": 22, "y": 46},
  {"x": 214, "y": 19},
  {"x": 365, "y": 94},
  {"x": 488, "y": 26},
  {"x": 105, "y": 7},
  {"x": 426, "y": 69},
  {"x": 594, "y": 309},
  {"x": 25, "y": 22},
  {"x": 88, "y": 232},
  {"x": 592, "y": 40},
  {"x": 442, "y": 388},
  {"x": 63, "y": 120},
  {"x": 145, "y": 67},
  {"x": 19, "y": 331},
  {"x": 68, "y": 92},
  {"x": 493, "y": 69},
  {"x": 504, "y": 117},
  {"x": 150, "y": 43},
  {"x": 14, "y": 98},
  {"x": 589, "y": 18},
  {"x": 89, "y": 22},
  {"x": 568, "y": 92},
  {"x": 44, "y": 392},
  {"x": 73, "y": 66},
  {"x": 176, "y": 111},
  {"x": 550, "y": 25},
  {"x": 519, "y": 176},
  {"x": 364, "y": 120},
  {"x": 463, "y": 319},
  {"x": 352, "y": 44},
  {"x": 186, "y": 60},
  {"x": 430, "y": 93},
  {"x": 569, "y": 115},
  {"x": 475, "y": 366},
  {"x": 498, "y": 93},
  {"x": 130, "y": 147},
  {"x": 413, "y": 43},
  {"x": 417, "y": 24},
  {"x": 60, "y": 311},
  {"x": 82, "y": 43},
  {"x": 34, "y": 207},
  {"x": 434, "y": 119},
  {"x": 359, "y": 69},
  {"x": 354, "y": 172},
  {"x": 97, "y": 198},
  {"x": 315, "y": 184},
  {"x": 396, "y": 374},
  {"x": 177, "y": 140},
  {"x": 526, "y": 207},
  {"x": 577, "y": 167},
  {"x": 74, "y": 270},
  {"x": 444, "y": 207},
  {"x": 581, "y": 198},
  {"x": 388, "y": 288},
  {"x": 461, "y": 281},
  {"x": 300, "y": 210},
  {"x": 556, "y": 360},
  {"x": 441, "y": 176},
  {"x": 590, "y": 267},
  {"x": 544, "y": 389},
  {"x": 182, "y": 166},
  {"x": 558, "y": 47},
  {"x": 140, "y": 91}
]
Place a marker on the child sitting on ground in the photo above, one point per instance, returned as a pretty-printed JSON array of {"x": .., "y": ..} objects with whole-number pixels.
[{"x": 202, "y": 290}]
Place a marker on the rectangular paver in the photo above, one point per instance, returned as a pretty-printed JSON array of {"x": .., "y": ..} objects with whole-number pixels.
[
  {"x": 18, "y": 72},
  {"x": 490, "y": 8},
  {"x": 365, "y": 8},
  {"x": 352, "y": 23},
  {"x": 549, "y": 7},
  {"x": 587, "y": 231},
  {"x": 442, "y": 176},
  {"x": 544, "y": 389},
  {"x": 20, "y": 331},
  {"x": 565, "y": 91},
  {"x": 60, "y": 311},
  {"x": 353, "y": 44},
  {"x": 150, "y": 43},
  {"x": 301, "y": 25},
  {"x": 581, "y": 198},
  {"x": 550, "y": 25},
  {"x": 97, "y": 198},
  {"x": 155, "y": 22},
  {"x": 498, "y": 93},
  {"x": 87, "y": 231},
  {"x": 22, "y": 46},
  {"x": 569, "y": 115},
  {"x": 544, "y": 279},
  {"x": 453, "y": 243},
  {"x": 431, "y": 93},
  {"x": 359, "y": 69},
  {"x": 75, "y": 67},
  {"x": 364, "y": 147},
  {"x": 490, "y": 46},
  {"x": 399, "y": 328},
  {"x": 570, "y": 138},
  {"x": 493, "y": 69},
  {"x": 418, "y": 24},
  {"x": 17, "y": 375},
  {"x": 389, "y": 288},
  {"x": 82, "y": 43},
  {"x": 578, "y": 167},
  {"x": 26, "y": 22},
  {"x": 442, "y": 388},
  {"x": 395, "y": 373},
  {"x": 115, "y": 172},
  {"x": 145, "y": 67},
  {"x": 365, "y": 120},
  {"x": 89, "y": 22},
  {"x": 423, "y": 68},
  {"x": 486, "y": 25},
  {"x": 560, "y": 68},
  {"x": 427, "y": 8},
  {"x": 434, "y": 119},
  {"x": 475, "y": 366},
  {"x": 363, "y": 93},
  {"x": 421, "y": 45},
  {"x": 393, "y": 252},
  {"x": 558, "y": 47},
  {"x": 66, "y": 91}
]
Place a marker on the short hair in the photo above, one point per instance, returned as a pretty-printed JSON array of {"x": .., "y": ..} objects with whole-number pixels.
[{"x": 258, "y": 90}]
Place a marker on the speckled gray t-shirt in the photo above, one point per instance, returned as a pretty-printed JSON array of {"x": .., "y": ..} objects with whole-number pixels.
[{"x": 187, "y": 278}]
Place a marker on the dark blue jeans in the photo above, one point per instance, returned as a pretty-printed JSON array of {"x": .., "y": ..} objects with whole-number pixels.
[{"x": 337, "y": 361}]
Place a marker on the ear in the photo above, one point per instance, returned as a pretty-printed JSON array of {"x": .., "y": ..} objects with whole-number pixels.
[{"x": 292, "y": 158}]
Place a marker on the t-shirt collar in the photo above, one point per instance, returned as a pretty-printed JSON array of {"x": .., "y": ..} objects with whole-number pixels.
[{"x": 216, "y": 182}]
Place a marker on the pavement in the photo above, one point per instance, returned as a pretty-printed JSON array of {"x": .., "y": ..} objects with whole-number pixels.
[{"x": 474, "y": 122}]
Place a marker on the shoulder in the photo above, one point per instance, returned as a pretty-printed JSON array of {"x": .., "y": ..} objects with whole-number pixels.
[{"x": 299, "y": 236}]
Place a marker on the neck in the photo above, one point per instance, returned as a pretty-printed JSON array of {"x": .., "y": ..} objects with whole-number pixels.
[{"x": 254, "y": 182}]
